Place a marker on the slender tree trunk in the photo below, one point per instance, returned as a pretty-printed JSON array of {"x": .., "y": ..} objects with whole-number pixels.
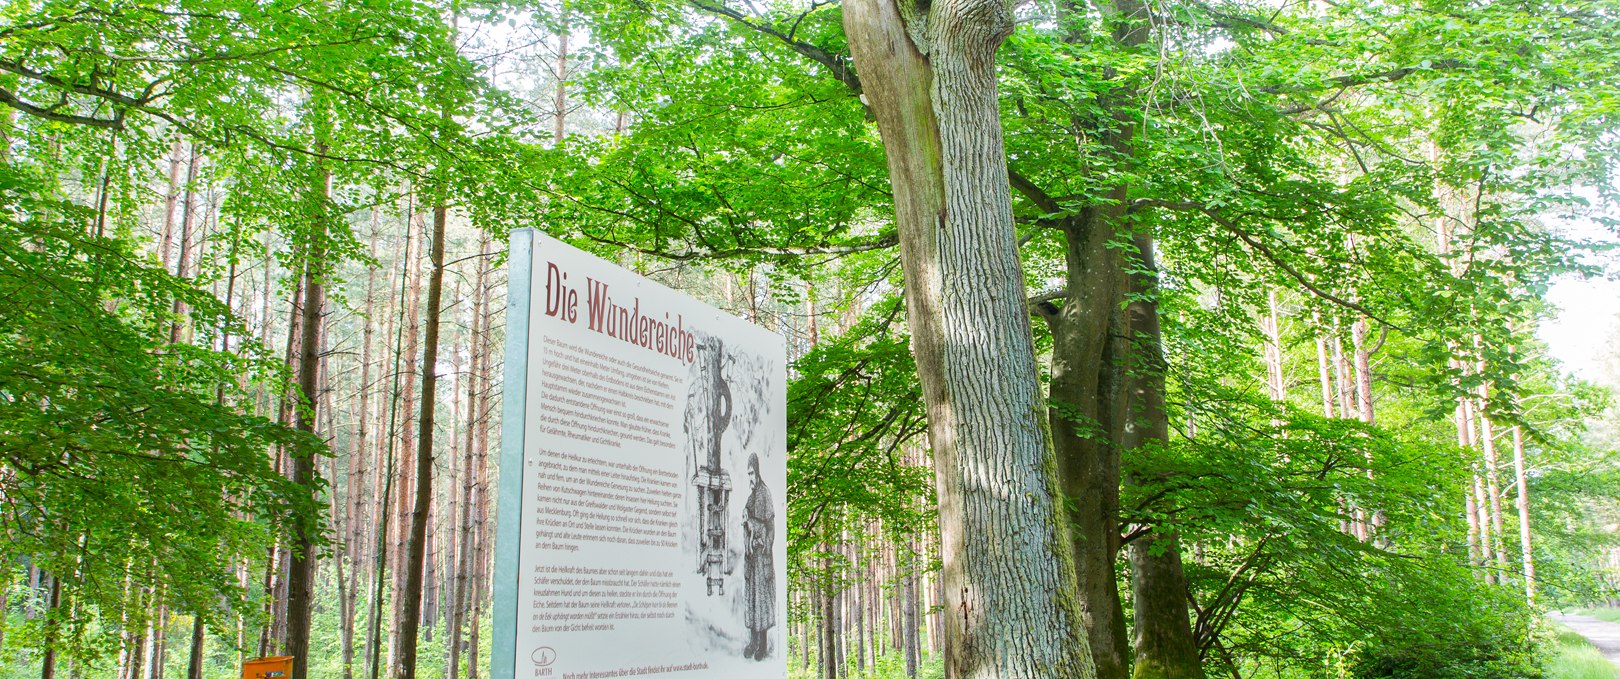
[
  {"x": 194, "y": 664},
  {"x": 359, "y": 463},
  {"x": 47, "y": 665},
  {"x": 560, "y": 98},
  {"x": 136, "y": 665},
  {"x": 158, "y": 645},
  {"x": 909, "y": 618},
  {"x": 1523, "y": 501},
  {"x": 403, "y": 333},
  {"x": 1012, "y": 613},
  {"x": 171, "y": 200},
  {"x": 1493, "y": 478},
  {"x": 1482, "y": 505},
  {"x": 1324, "y": 375},
  {"x": 467, "y": 545},
  {"x": 858, "y": 605},
  {"x": 406, "y": 481},
  {"x": 301, "y": 574},
  {"x": 1273, "y": 351},
  {"x": 5, "y": 583},
  {"x": 188, "y": 215},
  {"x": 1471, "y": 512},
  {"x": 424, "y": 455},
  {"x": 1363, "y": 370}
]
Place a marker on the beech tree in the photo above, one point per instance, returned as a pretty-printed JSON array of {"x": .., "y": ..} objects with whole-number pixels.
[{"x": 1158, "y": 215}]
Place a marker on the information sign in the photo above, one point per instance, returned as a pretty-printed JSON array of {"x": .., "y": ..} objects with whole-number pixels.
[{"x": 642, "y": 479}]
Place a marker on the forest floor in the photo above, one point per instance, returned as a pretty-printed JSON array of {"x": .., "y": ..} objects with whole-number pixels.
[{"x": 1603, "y": 634}]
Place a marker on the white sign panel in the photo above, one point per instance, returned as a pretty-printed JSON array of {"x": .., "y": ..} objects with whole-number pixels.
[{"x": 643, "y": 472}]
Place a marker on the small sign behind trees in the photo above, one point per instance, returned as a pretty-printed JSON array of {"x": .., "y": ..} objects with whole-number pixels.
[{"x": 643, "y": 467}]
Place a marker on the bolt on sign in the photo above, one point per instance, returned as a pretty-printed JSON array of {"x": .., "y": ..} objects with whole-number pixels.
[{"x": 643, "y": 469}]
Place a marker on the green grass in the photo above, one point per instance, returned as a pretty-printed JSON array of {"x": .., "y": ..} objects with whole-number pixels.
[{"x": 1576, "y": 658}]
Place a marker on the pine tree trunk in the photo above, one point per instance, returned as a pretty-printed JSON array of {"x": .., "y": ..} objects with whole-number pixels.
[
  {"x": 415, "y": 566},
  {"x": 1363, "y": 370},
  {"x": 1324, "y": 375},
  {"x": 188, "y": 216},
  {"x": 171, "y": 200},
  {"x": 858, "y": 605},
  {"x": 405, "y": 483},
  {"x": 1465, "y": 436},
  {"x": 301, "y": 573},
  {"x": 480, "y": 574},
  {"x": 158, "y": 646},
  {"x": 466, "y": 544},
  {"x": 194, "y": 664},
  {"x": 909, "y": 620},
  {"x": 359, "y": 463},
  {"x": 1482, "y": 505}
]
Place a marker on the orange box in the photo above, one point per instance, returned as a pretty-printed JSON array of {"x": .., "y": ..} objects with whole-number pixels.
[{"x": 275, "y": 667}]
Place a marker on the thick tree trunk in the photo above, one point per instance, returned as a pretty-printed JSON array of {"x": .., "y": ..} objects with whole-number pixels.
[
  {"x": 1087, "y": 397},
  {"x": 1011, "y": 611},
  {"x": 1165, "y": 648}
]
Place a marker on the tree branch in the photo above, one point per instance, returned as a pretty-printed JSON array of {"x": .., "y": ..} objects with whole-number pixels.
[
  {"x": 838, "y": 64},
  {"x": 882, "y": 242},
  {"x": 10, "y": 99},
  {"x": 1263, "y": 250}
]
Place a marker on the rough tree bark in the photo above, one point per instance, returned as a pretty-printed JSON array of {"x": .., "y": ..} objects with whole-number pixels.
[
  {"x": 928, "y": 71},
  {"x": 1088, "y": 353}
]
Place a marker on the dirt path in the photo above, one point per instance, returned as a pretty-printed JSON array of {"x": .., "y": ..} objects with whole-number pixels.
[{"x": 1604, "y": 635}]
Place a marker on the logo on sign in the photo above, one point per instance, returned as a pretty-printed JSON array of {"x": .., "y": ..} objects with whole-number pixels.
[{"x": 544, "y": 656}]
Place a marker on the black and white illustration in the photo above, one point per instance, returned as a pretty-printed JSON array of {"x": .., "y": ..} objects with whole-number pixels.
[{"x": 730, "y": 527}]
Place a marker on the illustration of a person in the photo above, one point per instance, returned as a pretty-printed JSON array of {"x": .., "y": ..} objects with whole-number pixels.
[{"x": 759, "y": 573}]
